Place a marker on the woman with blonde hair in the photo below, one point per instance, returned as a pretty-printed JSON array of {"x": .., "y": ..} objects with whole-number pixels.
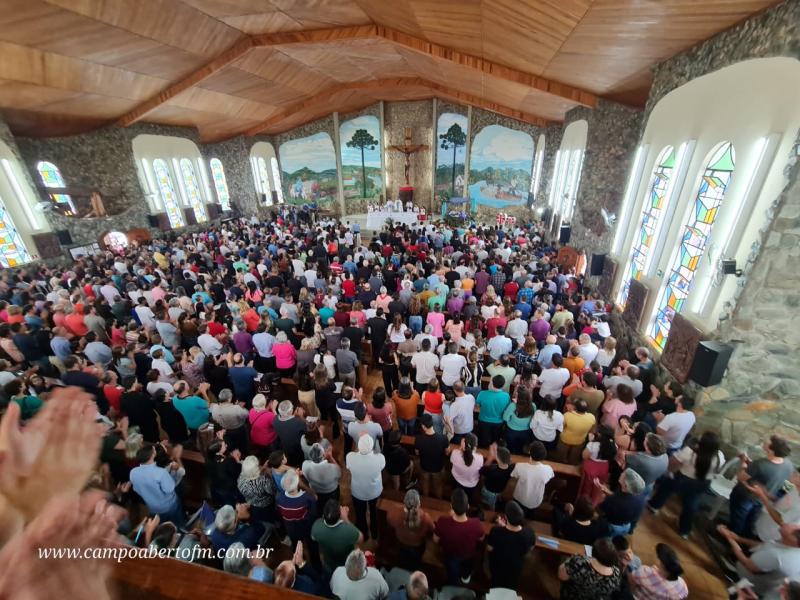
[
  {"x": 412, "y": 527},
  {"x": 606, "y": 354},
  {"x": 258, "y": 489}
]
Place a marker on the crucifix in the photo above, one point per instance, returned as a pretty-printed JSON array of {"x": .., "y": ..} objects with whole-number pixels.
[{"x": 408, "y": 149}]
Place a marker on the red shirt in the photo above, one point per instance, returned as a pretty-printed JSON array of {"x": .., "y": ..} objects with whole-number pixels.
[
  {"x": 433, "y": 402},
  {"x": 459, "y": 540},
  {"x": 349, "y": 287},
  {"x": 492, "y": 325},
  {"x": 113, "y": 393},
  {"x": 216, "y": 329},
  {"x": 510, "y": 290}
]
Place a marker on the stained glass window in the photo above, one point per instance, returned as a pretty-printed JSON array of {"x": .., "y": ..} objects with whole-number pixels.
[
  {"x": 276, "y": 179},
  {"x": 167, "y": 190},
  {"x": 537, "y": 168},
  {"x": 651, "y": 213},
  {"x": 12, "y": 249},
  {"x": 696, "y": 233},
  {"x": 51, "y": 177},
  {"x": 220, "y": 184},
  {"x": 193, "y": 190},
  {"x": 263, "y": 177}
]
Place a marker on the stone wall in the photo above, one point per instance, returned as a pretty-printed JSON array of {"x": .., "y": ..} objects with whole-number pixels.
[
  {"x": 102, "y": 159},
  {"x": 610, "y": 148},
  {"x": 418, "y": 116},
  {"x": 761, "y": 391}
]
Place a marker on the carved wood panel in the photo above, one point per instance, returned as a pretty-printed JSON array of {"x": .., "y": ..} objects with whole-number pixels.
[
  {"x": 634, "y": 307},
  {"x": 681, "y": 347},
  {"x": 567, "y": 257}
]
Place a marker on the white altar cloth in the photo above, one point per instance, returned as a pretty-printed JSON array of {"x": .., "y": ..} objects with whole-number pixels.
[{"x": 377, "y": 219}]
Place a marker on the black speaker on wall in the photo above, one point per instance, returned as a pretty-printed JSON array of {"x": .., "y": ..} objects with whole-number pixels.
[
  {"x": 64, "y": 237},
  {"x": 152, "y": 220},
  {"x": 710, "y": 362},
  {"x": 596, "y": 268},
  {"x": 564, "y": 234}
]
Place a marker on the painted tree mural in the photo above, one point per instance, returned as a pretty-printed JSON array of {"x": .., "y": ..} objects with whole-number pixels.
[
  {"x": 453, "y": 138},
  {"x": 362, "y": 139}
]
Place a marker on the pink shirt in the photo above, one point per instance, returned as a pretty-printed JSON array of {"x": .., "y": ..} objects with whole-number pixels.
[
  {"x": 285, "y": 355},
  {"x": 614, "y": 409},
  {"x": 468, "y": 476},
  {"x": 261, "y": 430},
  {"x": 437, "y": 321}
]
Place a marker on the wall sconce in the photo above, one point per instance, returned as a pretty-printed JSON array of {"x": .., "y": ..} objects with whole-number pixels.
[{"x": 729, "y": 267}]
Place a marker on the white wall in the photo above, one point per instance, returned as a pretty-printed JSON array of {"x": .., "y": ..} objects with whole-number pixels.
[
  {"x": 752, "y": 104},
  {"x": 27, "y": 220}
]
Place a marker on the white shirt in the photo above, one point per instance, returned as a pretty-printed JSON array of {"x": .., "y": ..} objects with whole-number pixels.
[
  {"x": 545, "y": 427},
  {"x": 675, "y": 426},
  {"x": 553, "y": 380},
  {"x": 109, "y": 292},
  {"x": 209, "y": 344},
  {"x": 397, "y": 336},
  {"x": 146, "y": 316},
  {"x": 462, "y": 414},
  {"x": 426, "y": 364},
  {"x": 788, "y": 506},
  {"x": 531, "y": 481},
  {"x": 162, "y": 366},
  {"x": 498, "y": 346},
  {"x": 517, "y": 330},
  {"x": 311, "y": 277},
  {"x": 451, "y": 368},
  {"x": 588, "y": 352}
]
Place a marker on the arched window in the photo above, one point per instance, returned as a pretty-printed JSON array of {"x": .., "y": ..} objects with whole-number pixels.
[
  {"x": 537, "y": 168},
  {"x": 651, "y": 214},
  {"x": 193, "y": 190},
  {"x": 51, "y": 177},
  {"x": 12, "y": 249},
  {"x": 571, "y": 187},
  {"x": 220, "y": 184},
  {"x": 693, "y": 240},
  {"x": 262, "y": 176},
  {"x": 167, "y": 190},
  {"x": 276, "y": 178}
]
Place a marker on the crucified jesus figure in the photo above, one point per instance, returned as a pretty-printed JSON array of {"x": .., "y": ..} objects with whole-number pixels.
[{"x": 408, "y": 149}]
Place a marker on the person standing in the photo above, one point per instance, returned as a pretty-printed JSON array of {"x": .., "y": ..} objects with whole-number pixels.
[
  {"x": 366, "y": 485},
  {"x": 508, "y": 544},
  {"x": 431, "y": 447},
  {"x": 459, "y": 537},
  {"x": 492, "y": 403},
  {"x": 336, "y": 536},
  {"x": 532, "y": 477}
]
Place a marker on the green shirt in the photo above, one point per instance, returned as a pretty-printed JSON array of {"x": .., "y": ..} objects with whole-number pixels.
[
  {"x": 513, "y": 421},
  {"x": 492, "y": 404},
  {"x": 28, "y": 405},
  {"x": 194, "y": 410},
  {"x": 335, "y": 542}
]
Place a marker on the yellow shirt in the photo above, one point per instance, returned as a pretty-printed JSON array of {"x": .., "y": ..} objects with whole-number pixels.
[
  {"x": 161, "y": 260},
  {"x": 577, "y": 427}
]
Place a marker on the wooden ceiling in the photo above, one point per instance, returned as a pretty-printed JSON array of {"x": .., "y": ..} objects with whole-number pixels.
[{"x": 246, "y": 66}]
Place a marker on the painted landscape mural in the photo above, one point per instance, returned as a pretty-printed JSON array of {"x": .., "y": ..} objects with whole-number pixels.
[
  {"x": 308, "y": 169},
  {"x": 361, "y": 157},
  {"x": 451, "y": 136},
  {"x": 501, "y": 161}
]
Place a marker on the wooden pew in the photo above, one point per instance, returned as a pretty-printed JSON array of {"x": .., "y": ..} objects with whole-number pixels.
[
  {"x": 171, "y": 579},
  {"x": 542, "y": 529}
]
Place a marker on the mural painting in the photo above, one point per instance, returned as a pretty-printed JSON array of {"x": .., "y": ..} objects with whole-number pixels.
[
  {"x": 361, "y": 157},
  {"x": 501, "y": 161},
  {"x": 309, "y": 169},
  {"x": 451, "y": 137}
]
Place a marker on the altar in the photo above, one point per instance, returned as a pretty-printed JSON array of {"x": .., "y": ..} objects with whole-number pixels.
[{"x": 376, "y": 219}]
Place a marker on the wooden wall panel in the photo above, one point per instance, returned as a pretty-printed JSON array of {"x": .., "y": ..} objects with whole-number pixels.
[{"x": 681, "y": 347}]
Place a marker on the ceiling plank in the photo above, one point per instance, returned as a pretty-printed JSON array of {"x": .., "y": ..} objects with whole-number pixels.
[
  {"x": 223, "y": 60},
  {"x": 391, "y": 84}
]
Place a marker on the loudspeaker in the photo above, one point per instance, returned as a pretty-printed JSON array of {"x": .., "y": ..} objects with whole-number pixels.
[
  {"x": 598, "y": 261},
  {"x": 263, "y": 198},
  {"x": 564, "y": 234},
  {"x": 710, "y": 361},
  {"x": 274, "y": 196},
  {"x": 152, "y": 220},
  {"x": 64, "y": 237}
]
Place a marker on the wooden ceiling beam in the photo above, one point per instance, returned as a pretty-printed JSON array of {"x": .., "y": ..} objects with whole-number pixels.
[
  {"x": 437, "y": 89},
  {"x": 233, "y": 53},
  {"x": 316, "y": 36}
]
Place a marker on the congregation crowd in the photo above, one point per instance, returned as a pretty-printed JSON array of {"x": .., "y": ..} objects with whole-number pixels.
[{"x": 315, "y": 371}]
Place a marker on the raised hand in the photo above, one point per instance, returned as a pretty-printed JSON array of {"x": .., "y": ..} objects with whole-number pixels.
[{"x": 53, "y": 454}]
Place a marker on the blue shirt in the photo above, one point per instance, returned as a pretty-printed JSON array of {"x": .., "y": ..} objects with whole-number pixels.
[
  {"x": 194, "y": 410},
  {"x": 243, "y": 379},
  {"x": 263, "y": 343},
  {"x": 525, "y": 294},
  {"x": 61, "y": 347},
  {"x": 524, "y": 309},
  {"x": 546, "y": 355},
  {"x": 156, "y": 487}
]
